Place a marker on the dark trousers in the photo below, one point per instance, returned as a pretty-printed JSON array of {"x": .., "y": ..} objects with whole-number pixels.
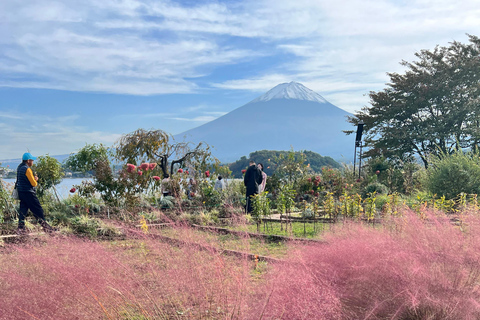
[
  {"x": 248, "y": 206},
  {"x": 29, "y": 200}
]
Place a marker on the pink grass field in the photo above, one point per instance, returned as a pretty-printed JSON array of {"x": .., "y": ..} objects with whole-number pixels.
[{"x": 409, "y": 267}]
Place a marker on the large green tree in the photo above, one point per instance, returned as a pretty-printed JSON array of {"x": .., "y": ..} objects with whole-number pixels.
[{"x": 432, "y": 107}]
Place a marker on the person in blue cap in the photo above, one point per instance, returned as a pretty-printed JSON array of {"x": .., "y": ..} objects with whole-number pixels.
[{"x": 26, "y": 183}]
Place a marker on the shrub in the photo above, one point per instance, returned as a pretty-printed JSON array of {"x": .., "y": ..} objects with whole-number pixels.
[
  {"x": 85, "y": 226},
  {"x": 452, "y": 174},
  {"x": 375, "y": 187}
]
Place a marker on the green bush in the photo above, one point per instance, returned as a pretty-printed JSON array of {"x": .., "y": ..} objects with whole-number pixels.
[
  {"x": 451, "y": 174},
  {"x": 375, "y": 187},
  {"x": 84, "y": 225}
]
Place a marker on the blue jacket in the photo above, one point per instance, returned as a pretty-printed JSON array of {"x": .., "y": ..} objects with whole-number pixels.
[{"x": 23, "y": 184}]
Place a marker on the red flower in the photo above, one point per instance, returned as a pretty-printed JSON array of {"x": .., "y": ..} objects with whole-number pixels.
[
  {"x": 309, "y": 179},
  {"x": 243, "y": 171},
  {"x": 192, "y": 194},
  {"x": 377, "y": 172},
  {"x": 180, "y": 170},
  {"x": 186, "y": 171},
  {"x": 152, "y": 166},
  {"x": 140, "y": 172},
  {"x": 145, "y": 166},
  {"x": 156, "y": 178},
  {"x": 130, "y": 167},
  {"x": 73, "y": 190},
  {"x": 207, "y": 173}
]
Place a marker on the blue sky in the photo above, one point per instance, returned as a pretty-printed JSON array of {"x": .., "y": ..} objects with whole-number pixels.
[{"x": 87, "y": 71}]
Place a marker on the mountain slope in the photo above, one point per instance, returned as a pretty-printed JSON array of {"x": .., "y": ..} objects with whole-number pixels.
[{"x": 288, "y": 116}]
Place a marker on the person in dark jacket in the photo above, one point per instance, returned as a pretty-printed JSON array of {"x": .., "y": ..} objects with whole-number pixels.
[
  {"x": 26, "y": 183},
  {"x": 253, "y": 177}
]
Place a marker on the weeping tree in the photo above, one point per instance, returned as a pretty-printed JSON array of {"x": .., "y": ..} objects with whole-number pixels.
[
  {"x": 160, "y": 147},
  {"x": 432, "y": 107}
]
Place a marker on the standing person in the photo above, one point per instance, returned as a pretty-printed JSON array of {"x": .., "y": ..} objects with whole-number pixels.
[
  {"x": 219, "y": 184},
  {"x": 26, "y": 183},
  {"x": 253, "y": 177},
  {"x": 191, "y": 188},
  {"x": 261, "y": 187},
  {"x": 166, "y": 187}
]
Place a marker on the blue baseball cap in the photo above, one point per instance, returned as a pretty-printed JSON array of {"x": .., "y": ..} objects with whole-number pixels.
[{"x": 28, "y": 156}]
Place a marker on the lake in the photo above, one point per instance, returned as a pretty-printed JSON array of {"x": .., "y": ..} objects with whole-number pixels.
[{"x": 63, "y": 188}]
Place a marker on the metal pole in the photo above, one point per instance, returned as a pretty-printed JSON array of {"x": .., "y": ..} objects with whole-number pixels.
[
  {"x": 360, "y": 162},
  {"x": 354, "y": 159}
]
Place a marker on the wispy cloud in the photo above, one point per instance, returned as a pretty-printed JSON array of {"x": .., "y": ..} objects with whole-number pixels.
[
  {"x": 42, "y": 134},
  {"x": 145, "y": 47},
  {"x": 341, "y": 49},
  {"x": 195, "y": 119},
  {"x": 350, "y": 46}
]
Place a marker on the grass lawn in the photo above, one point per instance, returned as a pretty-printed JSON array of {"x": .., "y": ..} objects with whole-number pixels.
[{"x": 295, "y": 229}]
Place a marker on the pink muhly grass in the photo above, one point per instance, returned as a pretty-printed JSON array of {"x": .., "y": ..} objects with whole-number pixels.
[
  {"x": 71, "y": 279},
  {"x": 407, "y": 268},
  {"x": 50, "y": 282}
]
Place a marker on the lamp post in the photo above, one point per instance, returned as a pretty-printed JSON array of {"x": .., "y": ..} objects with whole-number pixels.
[{"x": 358, "y": 143}]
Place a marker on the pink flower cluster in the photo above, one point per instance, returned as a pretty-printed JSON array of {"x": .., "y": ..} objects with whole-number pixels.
[
  {"x": 207, "y": 173},
  {"x": 131, "y": 167},
  {"x": 144, "y": 166}
]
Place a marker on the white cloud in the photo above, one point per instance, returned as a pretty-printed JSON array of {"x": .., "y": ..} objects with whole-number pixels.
[
  {"x": 146, "y": 47},
  {"x": 196, "y": 119},
  {"x": 42, "y": 134}
]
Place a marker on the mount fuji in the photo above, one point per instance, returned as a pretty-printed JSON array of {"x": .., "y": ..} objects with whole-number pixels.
[{"x": 288, "y": 116}]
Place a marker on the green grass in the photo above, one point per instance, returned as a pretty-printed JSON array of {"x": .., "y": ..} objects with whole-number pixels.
[
  {"x": 295, "y": 229},
  {"x": 228, "y": 242}
]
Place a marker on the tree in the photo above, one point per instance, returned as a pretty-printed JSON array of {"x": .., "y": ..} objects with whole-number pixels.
[
  {"x": 268, "y": 157},
  {"x": 158, "y": 146},
  {"x": 50, "y": 173},
  {"x": 433, "y": 107},
  {"x": 86, "y": 158}
]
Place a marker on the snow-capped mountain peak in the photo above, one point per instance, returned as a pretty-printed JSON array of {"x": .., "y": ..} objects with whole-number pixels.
[{"x": 292, "y": 90}]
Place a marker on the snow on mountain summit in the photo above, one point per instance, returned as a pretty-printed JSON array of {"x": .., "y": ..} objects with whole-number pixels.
[{"x": 292, "y": 90}]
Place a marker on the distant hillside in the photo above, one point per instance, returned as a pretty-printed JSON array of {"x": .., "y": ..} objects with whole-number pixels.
[
  {"x": 288, "y": 116},
  {"x": 267, "y": 158}
]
